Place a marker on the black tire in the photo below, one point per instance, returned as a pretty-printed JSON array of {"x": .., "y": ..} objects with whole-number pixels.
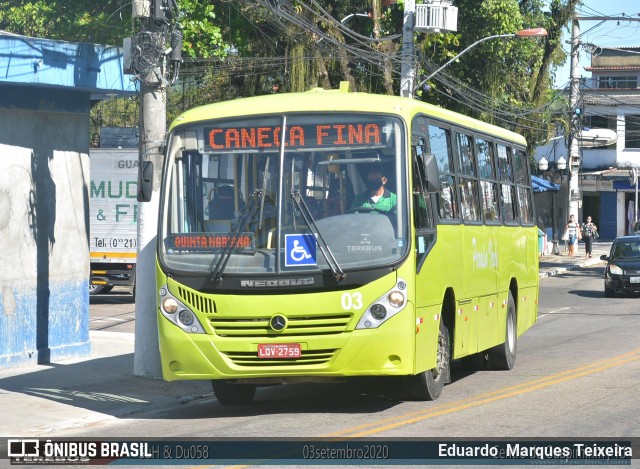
[
  {"x": 107, "y": 289},
  {"x": 609, "y": 292},
  {"x": 95, "y": 289},
  {"x": 503, "y": 356},
  {"x": 233, "y": 393},
  {"x": 428, "y": 385}
]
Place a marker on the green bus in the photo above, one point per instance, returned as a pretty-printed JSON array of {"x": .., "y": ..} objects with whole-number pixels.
[{"x": 324, "y": 235}]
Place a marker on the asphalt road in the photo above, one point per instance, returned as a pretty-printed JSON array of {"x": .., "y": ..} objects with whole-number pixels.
[{"x": 576, "y": 375}]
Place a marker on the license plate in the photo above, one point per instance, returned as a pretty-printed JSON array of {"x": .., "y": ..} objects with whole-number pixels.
[
  {"x": 634, "y": 279},
  {"x": 279, "y": 351}
]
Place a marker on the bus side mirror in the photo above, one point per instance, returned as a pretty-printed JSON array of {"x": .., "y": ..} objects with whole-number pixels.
[
  {"x": 431, "y": 173},
  {"x": 145, "y": 181}
]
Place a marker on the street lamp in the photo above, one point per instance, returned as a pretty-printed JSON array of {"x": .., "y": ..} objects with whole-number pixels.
[
  {"x": 560, "y": 166},
  {"x": 533, "y": 32}
]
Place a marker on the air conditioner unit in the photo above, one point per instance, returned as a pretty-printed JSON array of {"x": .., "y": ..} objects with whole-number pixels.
[{"x": 436, "y": 16}]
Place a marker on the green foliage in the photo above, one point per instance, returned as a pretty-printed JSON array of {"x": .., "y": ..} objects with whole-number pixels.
[
  {"x": 247, "y": 47},
  {"x": 100, "y": 22},
  {"x": 202, "y": 37}
]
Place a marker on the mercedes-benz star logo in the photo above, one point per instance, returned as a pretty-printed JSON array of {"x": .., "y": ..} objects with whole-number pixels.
[{"x": 278, "y": 323}]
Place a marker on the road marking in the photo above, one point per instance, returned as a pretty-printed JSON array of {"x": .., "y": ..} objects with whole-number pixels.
[
  {"x": 552, "y": 312},
  {"x": 518, "y": 389},
  {"x": 390, "y": 423}
]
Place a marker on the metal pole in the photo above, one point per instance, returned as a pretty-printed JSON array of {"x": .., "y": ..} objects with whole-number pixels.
[
  {"x": 554, "y": 240},
  {"x": 479, "y": 41}
]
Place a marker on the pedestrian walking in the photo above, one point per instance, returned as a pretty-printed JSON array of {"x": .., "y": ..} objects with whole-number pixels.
[
  {"x": 589, "y": 233},
  {"x": 572, "y": 234}
]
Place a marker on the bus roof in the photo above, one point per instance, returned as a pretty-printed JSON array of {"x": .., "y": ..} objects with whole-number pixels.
[{"x": 322, "y": 100}]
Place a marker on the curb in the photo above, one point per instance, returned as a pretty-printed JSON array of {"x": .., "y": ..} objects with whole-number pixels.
[{"x": 554, "y": 271}]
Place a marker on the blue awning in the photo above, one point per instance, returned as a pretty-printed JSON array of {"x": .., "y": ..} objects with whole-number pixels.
[{"x": 542, "y": 185}]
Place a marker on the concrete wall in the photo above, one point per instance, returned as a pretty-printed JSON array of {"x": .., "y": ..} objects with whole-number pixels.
[
  {"x": 44, "y": 230},
  {"x": 617, "y": 58}
]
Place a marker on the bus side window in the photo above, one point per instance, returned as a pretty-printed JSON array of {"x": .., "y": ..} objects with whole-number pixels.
[
  {"x": 525, "y": 205},
  {"x": 440, "y": 146},
  {"x": 488, "y": 184},
  {"x": 423, "y": 216},
  {"x": 507, "y": 187}
]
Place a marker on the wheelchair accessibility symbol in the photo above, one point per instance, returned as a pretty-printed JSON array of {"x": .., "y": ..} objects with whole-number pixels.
[{"x": 300, "y": 250}]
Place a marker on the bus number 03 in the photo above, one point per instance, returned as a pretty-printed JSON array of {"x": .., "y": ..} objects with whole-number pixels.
[{"x": 352, "y": 301}]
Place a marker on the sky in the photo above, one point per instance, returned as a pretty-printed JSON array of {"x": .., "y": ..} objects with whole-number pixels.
[{"x": 607, "y": 33}]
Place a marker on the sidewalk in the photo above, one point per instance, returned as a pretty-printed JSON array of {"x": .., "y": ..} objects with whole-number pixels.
[
  {"x": 61, "y": 399},
  {"x": 555, "y": 264}
]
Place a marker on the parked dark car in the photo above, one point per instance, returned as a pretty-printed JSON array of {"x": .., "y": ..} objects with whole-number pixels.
[{"x": 622, "y": 273}]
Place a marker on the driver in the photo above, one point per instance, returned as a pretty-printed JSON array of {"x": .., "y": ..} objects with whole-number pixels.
[{"x": 377, "y": 196}]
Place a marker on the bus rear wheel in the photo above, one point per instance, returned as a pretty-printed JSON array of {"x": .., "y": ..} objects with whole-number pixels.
[
  {"x": 503, "y": 356},
  {"x": 428, "y": 385},
  {"x": 233, "y": 393}
]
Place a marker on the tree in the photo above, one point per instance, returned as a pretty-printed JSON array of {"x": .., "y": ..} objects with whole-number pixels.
[
  {"x": 103, "y": 22},
  {"x": 250, "y": 47}
]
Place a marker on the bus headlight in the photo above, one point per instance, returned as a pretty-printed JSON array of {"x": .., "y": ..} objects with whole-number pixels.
[
  {"x": 385, "y": 307},
  {"x": 396, "y": 299},
  {"x": 179, "y": 313},
  {"x": 186, "y": 317},
  {"x": 378, "y": 311},
  {"x": 170, "y": 305}
]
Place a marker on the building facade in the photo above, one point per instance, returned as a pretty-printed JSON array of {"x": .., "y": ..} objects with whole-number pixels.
[
  {"x": 609, "y": 104},
  {"x": 46, "y": 90}
]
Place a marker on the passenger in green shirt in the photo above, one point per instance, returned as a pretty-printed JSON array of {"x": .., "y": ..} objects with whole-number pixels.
[{"x": 377, "y": 196}]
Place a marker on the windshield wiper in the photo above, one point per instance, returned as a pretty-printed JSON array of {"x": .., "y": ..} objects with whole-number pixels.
[
  {"x": 246, "y": 216},
  {"x": 336, "y": 270}
]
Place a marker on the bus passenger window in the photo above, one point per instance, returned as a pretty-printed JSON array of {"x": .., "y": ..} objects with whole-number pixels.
[
  {"x": 469, "y": 203},
  {"x": 447, "y": 199},
  {"x": 525, "y": 205},
  {"x": 490, "y": 201},
  {"x": 509, "y": 202}
]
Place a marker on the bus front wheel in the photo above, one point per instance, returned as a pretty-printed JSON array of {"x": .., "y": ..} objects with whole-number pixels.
[
  {"x": 428, "y": 385},
  {"x": 233, "y": 393},
  {"x": 503, "y": 356}
]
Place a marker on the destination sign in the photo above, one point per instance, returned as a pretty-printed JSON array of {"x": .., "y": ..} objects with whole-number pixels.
[
  {"x": 297, "y": 136},
  {"x": 210, "y": 242}
]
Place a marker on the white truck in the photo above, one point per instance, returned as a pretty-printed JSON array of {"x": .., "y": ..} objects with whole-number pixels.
[{"x": 113, "y": 218}]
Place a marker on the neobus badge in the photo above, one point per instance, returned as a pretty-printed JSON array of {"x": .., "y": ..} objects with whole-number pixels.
[{"x": 282, "y": 282}]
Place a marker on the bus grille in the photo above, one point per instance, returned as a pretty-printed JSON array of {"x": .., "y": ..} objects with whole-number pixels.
[
  {"x": 197, "y": 301},
  {"x": 296, "y": 325},
  {"x": 309, "y": 357}
]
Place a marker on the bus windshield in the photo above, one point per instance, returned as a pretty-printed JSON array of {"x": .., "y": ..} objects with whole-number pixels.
[{"x": 243, "y": 196}]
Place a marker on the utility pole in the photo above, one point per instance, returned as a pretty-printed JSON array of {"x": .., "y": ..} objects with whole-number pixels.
[
  {"x": 407, "y": 70},
  {"x": 146, "y": 359},
  {"x": 431, "y": 16},
  {"x": 574, "y": 149},
  {"x": 574, "y": 196},
  {"x": 149, "y": 45}
]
